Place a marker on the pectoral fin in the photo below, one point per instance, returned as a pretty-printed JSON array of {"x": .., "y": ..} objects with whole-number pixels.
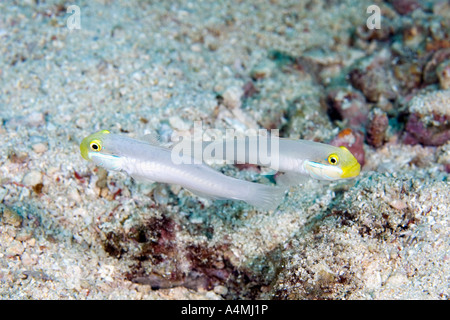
[
  {"x": 139, "y": 178},
  {"x": 290, "y": 179}
]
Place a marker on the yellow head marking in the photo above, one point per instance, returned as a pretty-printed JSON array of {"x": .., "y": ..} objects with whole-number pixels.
[
  {"x": 91, "y": 143},
  {"x": 349, "y": 165}
]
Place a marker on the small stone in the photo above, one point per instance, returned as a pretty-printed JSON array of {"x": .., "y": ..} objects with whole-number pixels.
[
  {"x": 74, "y": 195},
  {"x": 263, "y": 70},
  {"x": 102, "y": 175},
  {"x": 16, "y": 248},
  {"x": 443, "y": 73},
  {"x": 222, "y": 290},
  {"x": 18, "y": 158},
  {"x": 10, "y": 216},
  {"x": 178, "y": 123},
  {"x": 161, "y": 195},
  {"x": 35, "y": 119},
  {"x": 396, "y": 279},
  {"x": 398, "y": 204},
  {"x": 23, "y": 236},
  {"x": 104, "y": 192},
  {"x": 232, "y": 97},
  {"x": 196, "y": 47},
  {"x": 175, "y": 189},
  {"x": 32, "y": 178},
  {"x": 29, "y": 259},
  {"x": 40, "y": 147},
  {"x": 435, "y": 102},
  {"x": 443, "y": 156}
]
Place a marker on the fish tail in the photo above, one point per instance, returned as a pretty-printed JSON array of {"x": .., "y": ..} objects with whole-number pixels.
[{"x": 264, "y": 197}]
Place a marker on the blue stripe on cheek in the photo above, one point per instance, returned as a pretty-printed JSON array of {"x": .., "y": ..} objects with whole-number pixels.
[
  {"x": 322, "y": 171},
  {"x": 107, "y": 161}
]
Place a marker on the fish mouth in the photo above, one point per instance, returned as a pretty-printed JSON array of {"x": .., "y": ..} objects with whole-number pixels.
[{"x": 351, "y": 172}]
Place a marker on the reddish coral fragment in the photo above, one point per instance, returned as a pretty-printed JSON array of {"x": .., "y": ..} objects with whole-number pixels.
[
  {"x": 404, "y": 7},
  {"x": 417, "y": 132},
  {"x": 78, "y": 176},
  {"x": 376, "y": 130}
]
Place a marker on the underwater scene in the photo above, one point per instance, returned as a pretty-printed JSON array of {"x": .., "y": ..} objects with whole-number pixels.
[{"x": 225, "y": 150}]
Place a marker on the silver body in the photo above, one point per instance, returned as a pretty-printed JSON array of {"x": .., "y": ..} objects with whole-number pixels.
[
  {"x": 286, "y": 155},
  {"x": 145, "y": 161}
]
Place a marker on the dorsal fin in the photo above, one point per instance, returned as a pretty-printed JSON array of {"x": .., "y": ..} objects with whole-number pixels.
[{"x": 153, "y": 138}]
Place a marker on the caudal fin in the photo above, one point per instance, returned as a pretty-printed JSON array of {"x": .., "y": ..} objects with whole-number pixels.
[{"x": 264, "y": 197}]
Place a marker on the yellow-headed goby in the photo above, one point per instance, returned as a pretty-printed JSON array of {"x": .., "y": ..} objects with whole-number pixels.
[
  {"x": 296, "y": 159},
  {"x": 147, "y": 161}
]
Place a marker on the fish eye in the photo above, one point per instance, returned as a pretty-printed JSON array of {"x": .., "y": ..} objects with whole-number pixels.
[
  {"x": 95, "y": 145},
  {"x": 333, "y": 159}
]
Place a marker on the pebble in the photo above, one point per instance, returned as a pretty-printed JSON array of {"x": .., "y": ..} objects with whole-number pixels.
[
  {"x": 29, "y": 259},
  {"x": 175, "y": 189},
  {"x": 32, "y": 178},
  {"x": 35, "y": 119},
  {"x": 74, "y": 195},
  {"x": 10, "y": 216},
  {"x": 396, "y": 279},
  {"x": 443, "y": 73},
  {"x": 263, "y": 70},
  {"x": 398, "y": 204},
  {"x": 161, "y": 194},
  {"x": 222, "y": 290},
  {"x": 232, "y": 97},
  {"x": 40, "y": 147},
  {"x": 25, "y": 236},
  {"x": 16, "y": 248},
  {"x": 178, "y": 123}
]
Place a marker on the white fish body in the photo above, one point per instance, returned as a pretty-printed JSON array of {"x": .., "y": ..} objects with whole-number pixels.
[
  {"x": 145, "y": 161},
  {"x": 297, "y": 159}
]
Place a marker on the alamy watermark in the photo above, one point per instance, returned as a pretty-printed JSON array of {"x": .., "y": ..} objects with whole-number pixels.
[
  {"x": 74, "y": 20},
  {"x": 252, "y": 146},
  {"x": 374, "y": 21}
]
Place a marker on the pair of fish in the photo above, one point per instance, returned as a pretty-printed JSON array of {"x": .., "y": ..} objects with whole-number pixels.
[{"x": 148, "y": 161}]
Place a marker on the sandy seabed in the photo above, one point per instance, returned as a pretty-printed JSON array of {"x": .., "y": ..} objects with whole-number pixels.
[{"x": 69, "y": 230}]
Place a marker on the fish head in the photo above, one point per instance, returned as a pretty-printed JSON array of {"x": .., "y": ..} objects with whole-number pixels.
[
  {"x": 93, "y": 148},
  {"x": 336, "y": 163},
  {"x": 92, "y": 144}
]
